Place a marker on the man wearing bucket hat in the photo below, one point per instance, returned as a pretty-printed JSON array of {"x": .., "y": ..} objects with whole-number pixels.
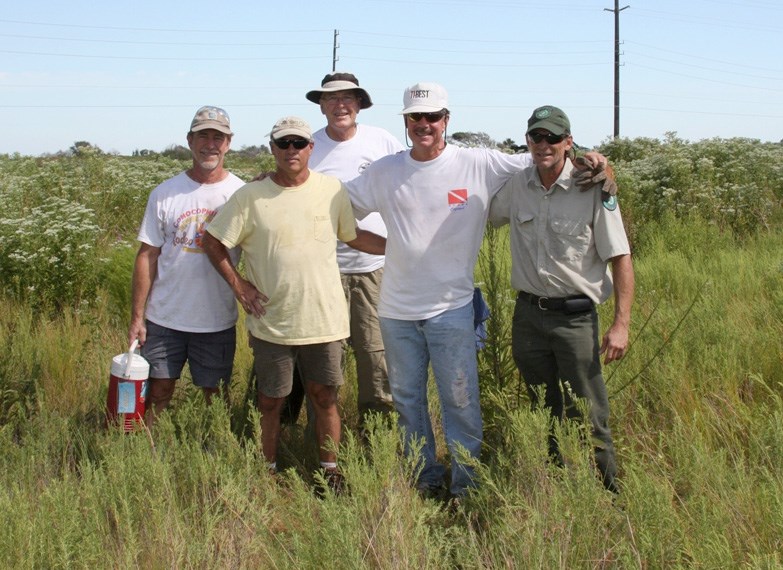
[
  {"x": 287, "y": 225},
  {"x": 434, "y": 201},
  {"x": 171, "y": 270},
  {"x": 344, "y": 148},
  {"x": 562, "y": 243}
]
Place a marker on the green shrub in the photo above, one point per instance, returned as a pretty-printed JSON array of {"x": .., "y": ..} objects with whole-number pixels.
[{"x": 48, "y": 255}]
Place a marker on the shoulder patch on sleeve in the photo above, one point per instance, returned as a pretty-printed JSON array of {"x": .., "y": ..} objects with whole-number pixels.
[{"x": 609, "y": 201}]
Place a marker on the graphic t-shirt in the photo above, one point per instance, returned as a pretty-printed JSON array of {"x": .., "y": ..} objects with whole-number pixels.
[{"x": 188, "y": 294}]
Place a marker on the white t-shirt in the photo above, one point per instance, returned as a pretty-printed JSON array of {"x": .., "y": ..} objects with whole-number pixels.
[
  {"x": 288, "y": 237},
  {"x": 346, "y": 160},
  {"x": 436, "y": 212},
  {"x": 187, "y": 293}
]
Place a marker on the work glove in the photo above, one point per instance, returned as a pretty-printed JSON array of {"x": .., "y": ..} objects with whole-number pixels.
[{"x": 590, "y": 172}]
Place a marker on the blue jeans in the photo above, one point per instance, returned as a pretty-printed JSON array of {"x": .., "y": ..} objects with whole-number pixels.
[{"x": 448, "y": 342}]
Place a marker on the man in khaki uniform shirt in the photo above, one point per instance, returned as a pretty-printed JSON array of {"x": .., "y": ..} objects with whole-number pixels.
[{"x": 562, "y": 243}]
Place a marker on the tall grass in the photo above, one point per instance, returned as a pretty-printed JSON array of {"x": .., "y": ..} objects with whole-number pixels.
[{"x": 697, "y": 414}]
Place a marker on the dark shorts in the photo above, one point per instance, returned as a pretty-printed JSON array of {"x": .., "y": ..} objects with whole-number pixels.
[
  {"x": 209, "y": 355},
  {"x": 274, "y": 365}
]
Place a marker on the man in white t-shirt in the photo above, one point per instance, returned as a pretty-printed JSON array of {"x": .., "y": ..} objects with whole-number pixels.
[
  {"x": 344, "y": 148},
  {"x": 287, "y": 226},
  {"x": 182, "y": 310},
  {"x": 434, "y": 201}
]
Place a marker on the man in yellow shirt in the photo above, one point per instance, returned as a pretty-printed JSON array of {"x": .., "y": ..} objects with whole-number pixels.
[{"x": 287, "y": 227}]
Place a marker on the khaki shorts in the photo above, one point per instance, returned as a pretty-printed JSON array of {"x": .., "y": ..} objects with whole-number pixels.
[{"x": 274, "y": 365}]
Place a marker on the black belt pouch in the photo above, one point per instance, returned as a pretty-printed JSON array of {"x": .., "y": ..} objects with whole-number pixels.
[{"x": 579, "y": 305}]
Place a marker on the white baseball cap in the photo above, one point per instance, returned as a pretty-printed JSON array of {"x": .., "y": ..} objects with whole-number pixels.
[{"x": 424, "y": 98}]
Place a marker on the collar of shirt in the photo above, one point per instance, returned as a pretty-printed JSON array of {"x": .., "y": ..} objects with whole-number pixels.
[{"x": 564, "y": 181}]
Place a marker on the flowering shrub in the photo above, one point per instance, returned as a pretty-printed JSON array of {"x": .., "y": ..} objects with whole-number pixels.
[
  {"x": 735, "y": 184},
  {"x": 48, "y": 255}
]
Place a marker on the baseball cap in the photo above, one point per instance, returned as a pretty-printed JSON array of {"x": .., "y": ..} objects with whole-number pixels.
[
  {"x": 424, "y": 98},
  {"x": 291, "y": 126},
  {"x": 339, "y": 81},
  {"x": 550, "y": 118},
  {"x": 209, "y": 117}
]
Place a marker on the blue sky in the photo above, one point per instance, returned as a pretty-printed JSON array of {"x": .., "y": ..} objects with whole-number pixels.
[{"x": 130, "y": 75}]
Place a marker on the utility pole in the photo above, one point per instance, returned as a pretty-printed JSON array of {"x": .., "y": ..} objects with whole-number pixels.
[
  {"x": 616, "y": 11},
  {"x": 334, "y": 51}
]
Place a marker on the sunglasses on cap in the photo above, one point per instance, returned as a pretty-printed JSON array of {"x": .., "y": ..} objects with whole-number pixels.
[
  {"x": 210, "y": 109},
  {"x": 283, "y": 144},
  {"x": 537, "y": 137},
  {"x": 429, "y": 117}
]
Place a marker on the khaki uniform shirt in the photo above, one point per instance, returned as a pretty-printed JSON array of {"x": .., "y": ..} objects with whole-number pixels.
[{"x": 561, "y": 238}]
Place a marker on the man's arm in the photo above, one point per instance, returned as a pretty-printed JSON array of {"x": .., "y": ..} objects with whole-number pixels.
[
  {"x": 246, "y": 293},
  {"x": 615, "y": 341},
  {"x": 500, "y": 204},
  {"x": 145, "y": 268},
  {"x": 368, "y": 242}
]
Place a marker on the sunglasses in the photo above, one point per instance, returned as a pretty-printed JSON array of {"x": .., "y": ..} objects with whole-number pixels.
[
  {"x": 283, "y": 144},
  {"x": 429, "y": 117},
  {"x": 334, "y": 99},
  {"x": 208, "y": 109},
  {"x": 548, "y": 137}
]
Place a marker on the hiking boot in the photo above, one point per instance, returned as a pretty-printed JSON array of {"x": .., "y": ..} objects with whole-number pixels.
[
  {"x": 335, "y": 483},
  {"x": 430, "y": 491},
  {"x": 454, "y": 504}
]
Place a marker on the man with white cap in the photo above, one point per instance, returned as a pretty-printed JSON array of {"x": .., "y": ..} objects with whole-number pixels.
[
  {"x": 287, "y": 225},
  {"x": 171, "y": 271},
  {"x": 434, "y": 201},
  {"x": 344, "y": 148}
]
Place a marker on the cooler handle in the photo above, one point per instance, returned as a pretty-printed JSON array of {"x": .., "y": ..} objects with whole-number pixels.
[{"x": 129, "y": 359}]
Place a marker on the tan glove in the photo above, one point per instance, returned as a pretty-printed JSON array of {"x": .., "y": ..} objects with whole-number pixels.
[{"x": 591, "y": 172}]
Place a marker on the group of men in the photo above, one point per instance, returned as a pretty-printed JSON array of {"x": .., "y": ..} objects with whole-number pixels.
[{"x": 397, "y": 282}]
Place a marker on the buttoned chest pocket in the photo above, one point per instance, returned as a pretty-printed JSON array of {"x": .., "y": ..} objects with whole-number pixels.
[
  {"x": 571, "y": 238},
  {"x": 322, "y": 229},
  {"x": 524, "y": 226}
]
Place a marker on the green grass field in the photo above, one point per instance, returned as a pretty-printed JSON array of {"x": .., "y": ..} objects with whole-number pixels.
[{"x": 697, "y": 404}]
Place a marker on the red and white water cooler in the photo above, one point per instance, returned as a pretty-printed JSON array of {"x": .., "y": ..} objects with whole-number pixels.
[{"x": 127, "y": 389}]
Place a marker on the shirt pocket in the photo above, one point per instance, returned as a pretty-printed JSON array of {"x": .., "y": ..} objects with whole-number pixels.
[
  {"x": 525, "y": 227},
  {"x": 571, "y": 238},
  {"x": 323, "y": 230}
]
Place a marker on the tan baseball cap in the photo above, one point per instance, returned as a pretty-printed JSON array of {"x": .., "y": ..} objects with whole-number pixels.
[
  {"x": 209, "y": 117},
  {"x": 291, "y": 126}
]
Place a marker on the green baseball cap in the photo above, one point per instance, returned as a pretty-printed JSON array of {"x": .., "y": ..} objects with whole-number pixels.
[{"x": 550, "y": 118}]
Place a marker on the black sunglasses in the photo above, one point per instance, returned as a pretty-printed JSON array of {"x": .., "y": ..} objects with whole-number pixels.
[
  {"x": 429, "y": 117},
  {"x": 549, "y": 137},
  {"x": 283, "y": 144}
]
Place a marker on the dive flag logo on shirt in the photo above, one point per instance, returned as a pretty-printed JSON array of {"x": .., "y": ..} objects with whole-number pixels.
[{"x": 458, "y": 199}]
